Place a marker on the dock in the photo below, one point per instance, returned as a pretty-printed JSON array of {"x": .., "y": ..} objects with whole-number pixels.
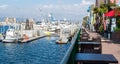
[
  {"x": 30, "y": 39},
  {"x": 37, "y": 37}
]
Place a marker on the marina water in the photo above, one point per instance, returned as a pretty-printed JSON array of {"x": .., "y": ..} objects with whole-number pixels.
[{"x": 41, "y": 51}]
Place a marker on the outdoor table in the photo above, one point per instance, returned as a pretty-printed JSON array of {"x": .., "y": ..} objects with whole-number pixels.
[
  {"x": 85, "y": 58},
  {"x": 90, "y": 47}
]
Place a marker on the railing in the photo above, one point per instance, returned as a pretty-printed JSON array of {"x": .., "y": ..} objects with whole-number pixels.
[{"x": 70, "y": 54}]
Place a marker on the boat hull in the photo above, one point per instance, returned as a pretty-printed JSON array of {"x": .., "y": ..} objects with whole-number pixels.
[{"x": 10, "y": 40}]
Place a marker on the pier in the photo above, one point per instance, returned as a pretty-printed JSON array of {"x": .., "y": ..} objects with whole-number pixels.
[{"x": 30, "y": 39}]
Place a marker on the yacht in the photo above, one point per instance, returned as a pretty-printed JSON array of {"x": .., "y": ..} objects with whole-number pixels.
[{"x": 11, "y": 36}]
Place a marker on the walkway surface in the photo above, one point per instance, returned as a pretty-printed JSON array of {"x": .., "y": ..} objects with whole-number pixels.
[{"x": 108, "y": 47}]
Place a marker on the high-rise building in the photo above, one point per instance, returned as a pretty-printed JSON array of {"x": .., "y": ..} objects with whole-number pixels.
[
  {"x": 114, "y": 1},
  {"x": 51, "y": 18},
  {"x": 29, "y": 24},
  {"x": 98, "y": 2}
]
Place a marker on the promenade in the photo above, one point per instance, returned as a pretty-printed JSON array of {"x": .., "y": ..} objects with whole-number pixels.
[{"x": 108, "y": 46}]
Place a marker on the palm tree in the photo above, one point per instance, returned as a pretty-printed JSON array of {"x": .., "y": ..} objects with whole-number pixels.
[{"x": 99, "y": 11}]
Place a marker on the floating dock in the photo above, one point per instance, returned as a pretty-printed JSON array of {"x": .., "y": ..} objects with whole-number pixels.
[{"x": 30, "y": 39}]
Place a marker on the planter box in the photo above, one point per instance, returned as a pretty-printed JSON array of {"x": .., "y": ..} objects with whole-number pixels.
[{"x": 115, "y": 36}]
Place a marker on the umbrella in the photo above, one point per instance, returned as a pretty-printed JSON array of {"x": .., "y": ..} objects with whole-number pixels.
[{"x": 112, "y": 13}]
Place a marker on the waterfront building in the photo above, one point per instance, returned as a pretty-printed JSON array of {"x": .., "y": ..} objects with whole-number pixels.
[
  {"x": 114, "y": 1},
  {"x": 98, "y": 2},
  {"x": 91, "y": 17},
  {"x": 29, "y": 24},
  {"x": 10, "y": 20}
]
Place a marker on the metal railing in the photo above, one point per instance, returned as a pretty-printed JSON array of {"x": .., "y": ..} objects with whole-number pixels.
[{"x": 70, "y": 54}]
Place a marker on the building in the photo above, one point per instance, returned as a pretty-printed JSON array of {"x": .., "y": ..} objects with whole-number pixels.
[
  {"x": 51, "y": 17},
  {"x": 98, "y": 2},
  {"x": 10, "y": 20},
  {"x": 114, "y": 1},
  {"x": 29, "y": 24}
]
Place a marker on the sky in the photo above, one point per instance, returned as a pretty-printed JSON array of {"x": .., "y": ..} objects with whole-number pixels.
[{"x": 40, "y": 9}]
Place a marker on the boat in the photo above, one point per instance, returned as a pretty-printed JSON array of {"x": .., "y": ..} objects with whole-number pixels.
[
  {"x": 11, "y": 36},
  {"x": 63, "y": 37},
  {"x": 62, "y": 41}
]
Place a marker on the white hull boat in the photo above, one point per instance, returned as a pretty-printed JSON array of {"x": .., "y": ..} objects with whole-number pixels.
[
  {"x": 11, "y": 36},
  {"x": 10, "y": 40},
  {"x": 62, "y": 41}
]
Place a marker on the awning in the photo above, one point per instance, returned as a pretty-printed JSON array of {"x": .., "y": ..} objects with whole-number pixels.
[{"x": 112, "y": 13}]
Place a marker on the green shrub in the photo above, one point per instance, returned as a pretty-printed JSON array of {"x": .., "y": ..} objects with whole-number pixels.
[
  {"x": 117, "y": 29},
  {"x": 101, "y": 28}
]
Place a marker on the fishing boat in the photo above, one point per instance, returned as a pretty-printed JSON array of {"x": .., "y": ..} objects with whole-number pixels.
[{"x": 11, "y": 36}]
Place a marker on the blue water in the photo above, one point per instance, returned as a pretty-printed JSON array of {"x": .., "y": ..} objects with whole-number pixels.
[{"x": 42, "y": 51}]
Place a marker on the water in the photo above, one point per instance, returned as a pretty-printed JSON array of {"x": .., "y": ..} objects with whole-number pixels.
[{"x": 42, "y": 51}]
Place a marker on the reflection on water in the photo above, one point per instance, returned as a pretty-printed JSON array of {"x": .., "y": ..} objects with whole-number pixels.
[{"x": 42, "y": 51}]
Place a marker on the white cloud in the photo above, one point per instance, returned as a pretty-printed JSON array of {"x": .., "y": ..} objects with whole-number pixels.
[
  {"x": 75, "y": 4},
  {"x": 86, "y": 2},
  {"x": 4, "y": 6},
  {"x": 48, "y": 6},
  {"x": 69, "y": 11}
]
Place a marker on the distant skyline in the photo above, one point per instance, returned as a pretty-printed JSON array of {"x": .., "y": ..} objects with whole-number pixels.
[{"x": 39, "y": 9}]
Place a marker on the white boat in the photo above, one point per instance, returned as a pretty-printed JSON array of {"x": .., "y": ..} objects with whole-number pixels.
[
  {"x": 11, "y": 36},
  {"x": 62, "y": 41},
  {"x": 63, "y": 38}
]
